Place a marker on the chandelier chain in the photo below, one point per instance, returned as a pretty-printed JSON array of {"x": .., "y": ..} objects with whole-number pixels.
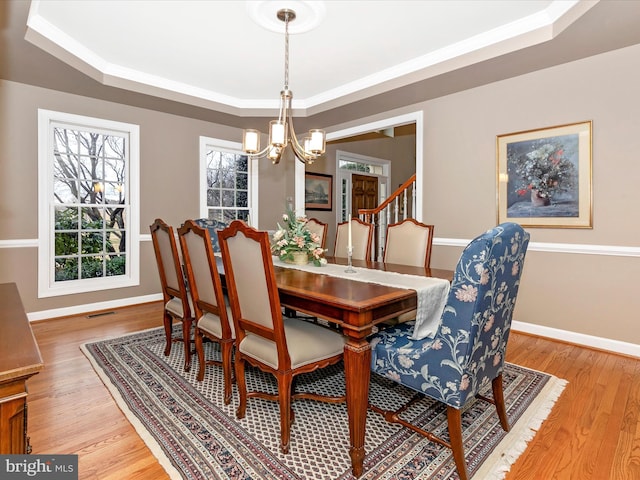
[{"x": 286, "y": 51}]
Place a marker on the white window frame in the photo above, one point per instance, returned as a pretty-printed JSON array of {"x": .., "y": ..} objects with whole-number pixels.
[
  {"x": 231, "y": 147},
  {"x": 47, "y": 286}
]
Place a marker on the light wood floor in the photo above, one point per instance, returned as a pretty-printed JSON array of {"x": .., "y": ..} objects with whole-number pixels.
[{"x": 593, "y": 431}]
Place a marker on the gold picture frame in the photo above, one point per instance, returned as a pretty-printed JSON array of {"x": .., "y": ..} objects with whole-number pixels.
[{"x": 544, "y": 177}]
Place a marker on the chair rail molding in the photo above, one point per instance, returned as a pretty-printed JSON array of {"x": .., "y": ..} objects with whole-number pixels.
[
  {"x": 584, "y": 249},
  {"x": 578, "y": 248}
]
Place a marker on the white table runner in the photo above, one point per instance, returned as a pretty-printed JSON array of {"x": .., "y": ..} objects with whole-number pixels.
[{"x": 432, "y": 292}]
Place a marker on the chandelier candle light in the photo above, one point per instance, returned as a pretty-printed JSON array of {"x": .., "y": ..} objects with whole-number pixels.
[{"x": 281, "y": 132}]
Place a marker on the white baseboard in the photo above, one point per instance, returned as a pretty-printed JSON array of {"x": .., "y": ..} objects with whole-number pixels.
[
  {"x": 600, "y": 343},
  {"x": 92, "y": 307}
]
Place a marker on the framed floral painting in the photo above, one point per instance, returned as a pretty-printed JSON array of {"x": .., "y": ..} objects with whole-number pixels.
[{"x": 544, "y": 177}]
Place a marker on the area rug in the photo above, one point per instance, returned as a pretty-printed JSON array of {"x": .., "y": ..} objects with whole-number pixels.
[{"x": 195, "y": 436}]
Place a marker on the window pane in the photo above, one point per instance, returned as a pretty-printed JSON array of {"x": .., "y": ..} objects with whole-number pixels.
[
  {"x": 242, "y": 181},
  {"x": 116, "y": 265},
  {"x": 65, "y": 191},
  {"x": 92, "y": 218},
  {"x": 227, "y": 198},
  {"x": 114, "y": 147},
  {"x": 113, "y": 193},
  {"x": 65, "y": 140},
  {"x": 66, "y": 218},
  {"x": 66, "y": 243},
  {"x": 92, "y": 267},
  {"x": 242, "y": 163},
  {"x": 228, "y": 216},
  {"x": 92, "y": 242},
  {"x": 116, "y": 241},
  {"x": 91, "y": 168},
  {"x": 213, "y": 198},
  {"x": 242, "y": 199},
  {"x": 66, "y": 269}
]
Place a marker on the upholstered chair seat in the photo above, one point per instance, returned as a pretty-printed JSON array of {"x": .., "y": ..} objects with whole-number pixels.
[
  {"x": 211, "y": 324},
  {"x": 306, "y": 344}
]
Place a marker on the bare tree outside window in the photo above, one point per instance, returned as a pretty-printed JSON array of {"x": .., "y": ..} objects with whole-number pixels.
[
  {"x": 227, "y": 186},
  {"x": 89, "y": 175}
]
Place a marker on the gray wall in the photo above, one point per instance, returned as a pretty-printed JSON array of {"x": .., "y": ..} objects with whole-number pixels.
[
  {"x": 593, "y": 294},
  {"x": 169, "y": 164}
]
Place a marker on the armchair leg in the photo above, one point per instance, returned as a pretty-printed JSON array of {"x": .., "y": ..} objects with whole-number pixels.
[
  {"x": 454, "y": 423},
  {"x": 498, "y": 398}
]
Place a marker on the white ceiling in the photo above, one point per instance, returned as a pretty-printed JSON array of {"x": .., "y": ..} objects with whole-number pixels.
[{"x": 214, "y": 55}]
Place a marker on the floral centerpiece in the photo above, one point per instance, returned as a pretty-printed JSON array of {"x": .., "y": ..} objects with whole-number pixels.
[
  {"x": 295, "y": 238},
  {"x": 543, "y": 171}
]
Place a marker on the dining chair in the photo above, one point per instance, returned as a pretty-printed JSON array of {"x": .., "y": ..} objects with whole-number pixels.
[
  {"x": 467, "y": 352},
  {"x": 361, "y": 234},
  {"x": 212, "y": 315},
  {"x": 409, "y": 243},
  {"x": 319, "y": 228},
  {"x": 283, "y": 347},
  {"x": 214, "y": 226},
  {"x": 176, "y": 298}
]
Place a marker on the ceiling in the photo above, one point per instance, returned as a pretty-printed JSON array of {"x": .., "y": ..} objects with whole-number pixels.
[{"x": 214, "y": 60}]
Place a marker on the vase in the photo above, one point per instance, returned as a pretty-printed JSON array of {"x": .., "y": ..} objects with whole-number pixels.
[
  {"x": 299, "y": 258},
  {"x": 538, "y": 200}
]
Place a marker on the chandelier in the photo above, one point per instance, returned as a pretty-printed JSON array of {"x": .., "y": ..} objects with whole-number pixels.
[{"x": 281, "y": 132}]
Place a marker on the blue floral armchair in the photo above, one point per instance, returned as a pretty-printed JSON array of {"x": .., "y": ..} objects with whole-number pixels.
[
  {"x": 213, "y": 226},
  {"x": 467, "y": 352}
]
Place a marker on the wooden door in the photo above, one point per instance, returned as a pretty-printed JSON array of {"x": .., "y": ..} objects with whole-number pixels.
[{"x": 364, "y": 193}]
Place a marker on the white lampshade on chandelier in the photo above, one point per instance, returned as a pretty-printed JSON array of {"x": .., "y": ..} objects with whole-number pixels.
[{"x": 281, "y": 132}]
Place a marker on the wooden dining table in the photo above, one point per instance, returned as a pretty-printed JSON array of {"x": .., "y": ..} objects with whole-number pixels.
[{"x": 356, "y": 307}]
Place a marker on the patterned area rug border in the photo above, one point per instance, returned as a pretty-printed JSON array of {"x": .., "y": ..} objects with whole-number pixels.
[{"x": 193, "y": 435}]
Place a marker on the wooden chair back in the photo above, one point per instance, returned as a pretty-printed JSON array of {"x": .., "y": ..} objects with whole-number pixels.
[
  {"x": 252, "y": 287},
  {"x": 169, "y": 265},
  {"x": 409, "y": 243},
  {"x": 361, "y": 235},
  {"x": 320, "y": 228},
  {"x": 177, "y": 300},
  {"x": 202, "y": 274}
]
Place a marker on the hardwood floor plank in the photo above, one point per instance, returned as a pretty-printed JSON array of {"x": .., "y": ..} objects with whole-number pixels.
[{"x": 592, "y": 433}]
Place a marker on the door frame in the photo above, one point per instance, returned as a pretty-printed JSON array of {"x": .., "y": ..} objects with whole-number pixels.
[
  {"x": 390, "y": 122},
  {"x": 344, "y": 174}
]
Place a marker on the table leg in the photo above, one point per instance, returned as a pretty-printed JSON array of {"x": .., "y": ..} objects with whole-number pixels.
[{"x": 357, "y": 360}]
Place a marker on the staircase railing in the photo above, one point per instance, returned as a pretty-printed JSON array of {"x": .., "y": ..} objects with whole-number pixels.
[{"x": 401, "y": 204}]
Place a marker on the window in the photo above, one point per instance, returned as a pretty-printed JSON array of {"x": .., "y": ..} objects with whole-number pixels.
[
  {"x": 88, "y": 208},
  {"x": 228, "y": 182}
]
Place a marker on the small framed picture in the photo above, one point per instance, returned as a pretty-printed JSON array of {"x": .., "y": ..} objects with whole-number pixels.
[
  {"x": 544, "y": 177},
  {"x": 318, "y": 191}
]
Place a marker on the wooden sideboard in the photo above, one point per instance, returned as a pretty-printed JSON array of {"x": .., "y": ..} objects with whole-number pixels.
[{"x": 20, "y": 359}]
